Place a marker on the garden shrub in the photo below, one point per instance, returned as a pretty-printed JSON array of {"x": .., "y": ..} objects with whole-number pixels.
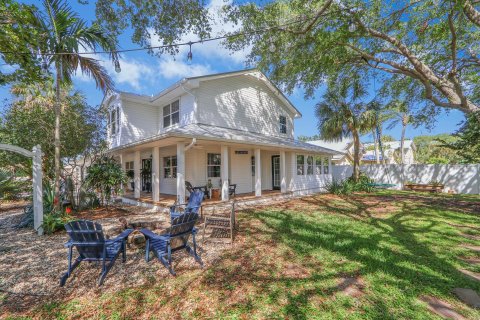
[{"x": 348, "y": 186}]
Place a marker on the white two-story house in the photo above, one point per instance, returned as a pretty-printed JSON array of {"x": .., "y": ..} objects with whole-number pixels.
[{"x": 226, "y": 128}]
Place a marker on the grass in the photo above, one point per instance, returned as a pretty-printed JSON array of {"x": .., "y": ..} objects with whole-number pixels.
[{"x": 289, "y": 262}]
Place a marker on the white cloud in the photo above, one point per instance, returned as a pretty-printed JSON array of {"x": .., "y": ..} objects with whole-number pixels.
[
  {"x": 174, "y": 69},
  {"x": 204, "y": 54},
  {"x": 134, "y": 72}
]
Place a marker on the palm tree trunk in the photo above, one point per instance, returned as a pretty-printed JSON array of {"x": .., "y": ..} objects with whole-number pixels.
[
  {"x": 382, "y": 150},
  {"x": 402, "y": 139},
  {"x": 375, "y": 143},
  {"x": 57, "y": 142},
  {"x": 356, "y": 155}
]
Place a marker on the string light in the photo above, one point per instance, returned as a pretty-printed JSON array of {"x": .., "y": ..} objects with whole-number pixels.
[
  {"x": 117, "y": 66},
  {"x": 190, "y": 55},
  {"x": 190, "y": 43}
]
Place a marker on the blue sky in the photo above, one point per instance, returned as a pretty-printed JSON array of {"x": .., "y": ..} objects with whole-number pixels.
[{"x": 147, "y": 74}]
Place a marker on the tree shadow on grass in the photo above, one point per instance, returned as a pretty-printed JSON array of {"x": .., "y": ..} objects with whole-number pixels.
[{"x": 390, "y": 251}]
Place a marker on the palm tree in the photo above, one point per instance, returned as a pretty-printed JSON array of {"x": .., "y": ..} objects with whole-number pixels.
[
  {"x": 341, "y": 114},
  {"x": 400, "y": 113},
  {"x": 63, "y": 36}
]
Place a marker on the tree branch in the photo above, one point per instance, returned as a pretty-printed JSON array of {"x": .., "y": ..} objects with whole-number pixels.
[
  {"x": 309, "y": 26},
  {"x": 472, "y": 14}
]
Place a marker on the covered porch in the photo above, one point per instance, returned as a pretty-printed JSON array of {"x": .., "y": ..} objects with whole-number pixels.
[
  {"x": 159, "y": 169},
  {"x": 166, "y": 200}
]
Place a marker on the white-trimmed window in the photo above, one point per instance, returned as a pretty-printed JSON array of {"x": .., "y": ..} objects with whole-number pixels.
[
  {"x": 129, "y": 166},
  {"x": 170, "y": 167},
  {"x": 325, "y": 166},
  {"x": 113, "y": 120},
  {"x": 171, "y": 114},
  {"x": 300, "y": 164},
  {"x": 318, "y": 165},
  {"x": 283, "y": 124},
  {"x": 309, "y": 165},
  {"x": 214, "y": 161}
]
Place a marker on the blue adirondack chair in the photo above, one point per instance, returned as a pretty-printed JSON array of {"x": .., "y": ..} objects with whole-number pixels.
[
  {"x": 176, "y": 239},
  {"x": 193, "y": 205},
  {"x": 87, "y": 237}
]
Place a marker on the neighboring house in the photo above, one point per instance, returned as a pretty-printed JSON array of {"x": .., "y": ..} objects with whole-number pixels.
[
  {"x": 234, "y": 127},
  {"x": 343, "y": 147},
  {"x": 392, "y": 153}
]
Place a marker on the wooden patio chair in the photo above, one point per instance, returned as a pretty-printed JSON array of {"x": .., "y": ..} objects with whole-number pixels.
[
  {"x": 221, "y": 219},
  {"x": 232, "y": 189},
  {"x": 192, "y": 206},
  {"x": 191, "y": 189},
  {"x": 88, "y": 238},
  {"x": 175, "y": 239}
]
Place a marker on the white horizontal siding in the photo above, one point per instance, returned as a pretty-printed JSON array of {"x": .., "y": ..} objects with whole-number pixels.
[
  {"x": 138, "y": 122},
  {"x": 187, "y": 115},
  {"x": 242, "y": 102},
  {"x": 304, "y": 184},
  {"x": 241, "y": 170}
]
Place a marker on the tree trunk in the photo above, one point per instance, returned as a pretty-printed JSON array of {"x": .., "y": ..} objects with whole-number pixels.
[
  {"x": 375, "y": 143},
  {"x": 402, "y": 139},
  {"x": 58, "y": 111},
  {"x": 382, "y": 150},
  {"x": 356, "y": 155}
]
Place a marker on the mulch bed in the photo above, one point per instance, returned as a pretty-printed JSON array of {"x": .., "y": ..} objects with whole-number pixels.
[{"x": 31, "y": 265}]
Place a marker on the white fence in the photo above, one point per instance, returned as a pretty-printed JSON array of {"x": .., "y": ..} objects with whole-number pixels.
[{"x": 459, "y": 178}]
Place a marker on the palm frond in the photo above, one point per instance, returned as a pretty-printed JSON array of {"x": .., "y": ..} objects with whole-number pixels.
[{"x": 92, "y": 68}]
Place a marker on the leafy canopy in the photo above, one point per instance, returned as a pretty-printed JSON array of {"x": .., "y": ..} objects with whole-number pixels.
[
  {"x": 30, "y": 120},
  {"x": 430, "y": 43},
  {"x": 467, "y": 142}
]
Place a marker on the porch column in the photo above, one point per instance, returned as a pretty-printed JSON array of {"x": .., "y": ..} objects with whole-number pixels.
[
  {"x": 258, "y": 174},
  {"x": 330, "y": 166},
  {"x": 181, "y": 172},
  {"x": 224, "y": 172},
  {"x": 156, "y": 174},
  {"x": 122, "y": 165},
  {"x": 136, "y": 174},
  {"x": 283, "y": 177},
  {"x": 293, "y": 170}
]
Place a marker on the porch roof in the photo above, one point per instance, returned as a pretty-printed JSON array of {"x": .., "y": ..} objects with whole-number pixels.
[{"x": 222, "y": 134}]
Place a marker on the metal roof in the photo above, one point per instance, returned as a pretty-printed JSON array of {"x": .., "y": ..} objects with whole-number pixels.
[{"x": 215, "y": 133}]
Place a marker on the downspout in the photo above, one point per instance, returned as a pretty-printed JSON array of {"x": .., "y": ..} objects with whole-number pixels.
[{"x": 188, "y": 147}]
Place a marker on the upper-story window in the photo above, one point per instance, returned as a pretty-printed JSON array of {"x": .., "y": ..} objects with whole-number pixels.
[
  {"x": 283, "y": 124},
  {"x": 113, "y": 120},
  {"x": 171, "y": 114}
]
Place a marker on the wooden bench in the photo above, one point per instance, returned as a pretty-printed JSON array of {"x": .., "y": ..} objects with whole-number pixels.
[{"x": 424, "y": 187}]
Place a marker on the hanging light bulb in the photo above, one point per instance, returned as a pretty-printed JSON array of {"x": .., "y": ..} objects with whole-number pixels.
[
  {"x": 117, "y": 66},
  {"x": 352, "y": 27},
  {"x": 272, "y": 48},
  {"x": 190, "y": 55}
]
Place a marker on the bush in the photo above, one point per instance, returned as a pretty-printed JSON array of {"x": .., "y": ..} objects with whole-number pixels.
[
  {"x": 348, "y": 186},
  {"x": 10, "y": 189},
  {"x": 106, "y": 176},
  {"x": 54, "y": 221}
]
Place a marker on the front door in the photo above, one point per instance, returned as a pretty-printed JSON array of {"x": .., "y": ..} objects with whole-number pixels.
[
  {"x": 146, "y": 174},
  {"x": 276, "y": 172}
]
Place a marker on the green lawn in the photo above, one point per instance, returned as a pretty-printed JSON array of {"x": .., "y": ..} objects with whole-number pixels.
[{"x": 289, "y": 262}]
